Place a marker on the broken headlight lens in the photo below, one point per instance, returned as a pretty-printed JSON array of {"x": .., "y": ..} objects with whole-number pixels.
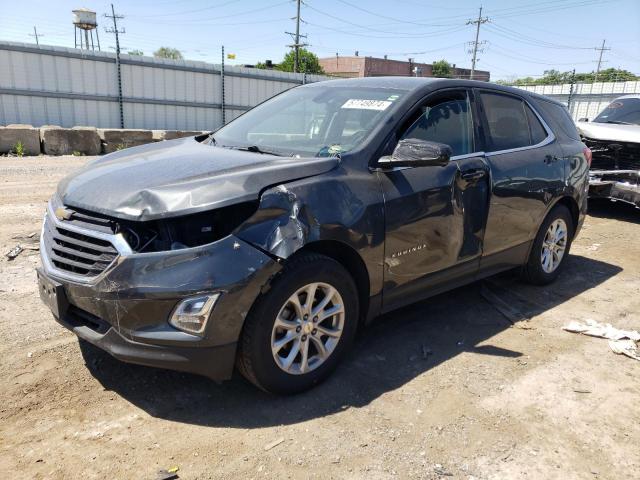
[{"x": 192, "y": 313}]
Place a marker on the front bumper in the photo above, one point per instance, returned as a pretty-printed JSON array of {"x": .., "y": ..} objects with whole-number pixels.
[
  {"x": 622, "y": 185},
  {"x": 125, "y": 311}
]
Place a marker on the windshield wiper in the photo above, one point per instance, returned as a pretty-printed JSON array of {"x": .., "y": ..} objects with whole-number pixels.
[
  {"x": 257, "y": 149},
  {"x": 618, "y": 122}
]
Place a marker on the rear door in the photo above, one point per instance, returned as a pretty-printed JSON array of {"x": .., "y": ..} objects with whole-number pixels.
[
  {"x": 527, "y": 173},
  {"x": 435, "y": 215}
]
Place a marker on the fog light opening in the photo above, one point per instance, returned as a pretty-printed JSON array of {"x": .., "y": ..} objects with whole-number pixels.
[{"x": 192, "y": 313}]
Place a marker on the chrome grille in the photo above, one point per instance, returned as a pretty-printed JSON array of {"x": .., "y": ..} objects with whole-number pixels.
[{"x": 76, "y": 252}]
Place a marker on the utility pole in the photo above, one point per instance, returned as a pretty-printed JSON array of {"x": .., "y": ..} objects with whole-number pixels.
[
  {"x": 296, "y": 61},
  {"x": 477, "y": 23},
  {"x": 571, "y": 89},
  {"x": 115, "y": 31},
  {"x": 222, "y": 102},
  {"x": 602, "y": 49},
  {"x": 296, "y": 37},
  {"x": 36, "y": 34}
]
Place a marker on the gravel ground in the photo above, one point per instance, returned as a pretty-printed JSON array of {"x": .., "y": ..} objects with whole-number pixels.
[{"x": 445, "y": 388}]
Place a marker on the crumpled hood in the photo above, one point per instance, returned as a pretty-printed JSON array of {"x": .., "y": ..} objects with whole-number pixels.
[
  {"x": 177, "y": 177},
  {"x": 610, "y": 131}
]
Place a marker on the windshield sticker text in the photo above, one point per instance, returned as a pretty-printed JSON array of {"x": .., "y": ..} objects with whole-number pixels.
[{"x": 362, "y": 104}]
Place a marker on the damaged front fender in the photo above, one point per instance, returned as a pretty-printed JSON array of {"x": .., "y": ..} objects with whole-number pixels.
[{"x": 345, "y": 208}]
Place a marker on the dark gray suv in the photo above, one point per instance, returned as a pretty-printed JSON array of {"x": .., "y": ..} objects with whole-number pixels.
[{"x": 268, "y": 243}]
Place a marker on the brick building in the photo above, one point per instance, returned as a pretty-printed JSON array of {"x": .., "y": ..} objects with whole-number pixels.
[{"x": 357, "y": 66}]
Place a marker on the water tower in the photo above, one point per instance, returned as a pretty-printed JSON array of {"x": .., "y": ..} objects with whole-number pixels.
[{"x": 85, "y": 19}]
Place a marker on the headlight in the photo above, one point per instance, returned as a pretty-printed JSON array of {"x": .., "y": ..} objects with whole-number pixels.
[{"x": 191, "y": 314}]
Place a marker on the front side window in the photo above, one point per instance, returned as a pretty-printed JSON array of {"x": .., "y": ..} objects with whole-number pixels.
[
  {"x": 314, "y": 121},
  {"x": 623, "y": 111},
  {"x": 445, "y": 120},
  {"x": 507, "y": 121}
]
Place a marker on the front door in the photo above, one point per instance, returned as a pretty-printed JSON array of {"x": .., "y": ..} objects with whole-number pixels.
[{"x": 435, "y": 216}]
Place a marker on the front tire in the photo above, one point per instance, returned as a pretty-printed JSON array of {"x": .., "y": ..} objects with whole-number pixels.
[
  {"x": 297, "y": 333},
  {"x": 550, "y": 247}
]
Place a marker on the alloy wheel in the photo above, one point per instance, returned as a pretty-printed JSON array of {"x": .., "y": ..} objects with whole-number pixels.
[
  {"x": 554, "y": 245},
  {"x": 308, "y": 328}
]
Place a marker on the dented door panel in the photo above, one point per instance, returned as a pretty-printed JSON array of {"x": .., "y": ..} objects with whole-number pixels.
[{"x": 435, "y": 220}]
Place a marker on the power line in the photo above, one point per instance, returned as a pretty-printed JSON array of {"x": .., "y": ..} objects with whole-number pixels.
[
  {"x": 527, "y": 59},
  {"x": 528, "y": 40},
  {"x": 366, "y": 35},
  {"x": 370, "y": 28},
  {"x": 185, "y": 12},
  {"x": 203, "y": 21},
  {"x": 397, "y": 20},
  {"x": 116, "y": 32},
  {"x": 539, "y": 9},
  {"x": 477, "y": 23}
]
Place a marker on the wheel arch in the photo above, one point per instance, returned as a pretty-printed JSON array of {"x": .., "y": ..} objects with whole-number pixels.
[
  {"x": 349, "y": 258},
  {"x": 572, "y": 205}
]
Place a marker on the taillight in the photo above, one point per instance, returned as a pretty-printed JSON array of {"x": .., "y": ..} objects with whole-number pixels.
[{"x": 588, "y": 155}]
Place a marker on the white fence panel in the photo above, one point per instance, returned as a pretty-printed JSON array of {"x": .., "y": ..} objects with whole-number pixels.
[
  {"x": 587, "y": 99},
  {"x": 44, "y": 85}
]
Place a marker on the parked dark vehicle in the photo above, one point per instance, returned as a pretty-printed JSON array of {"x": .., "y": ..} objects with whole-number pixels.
[
  {"x": 267, "y": 244},
  {"x": 614, "y": 138}
]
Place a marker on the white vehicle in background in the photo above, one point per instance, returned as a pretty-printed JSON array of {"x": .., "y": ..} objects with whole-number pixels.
[{"x": 614, "y": 139}]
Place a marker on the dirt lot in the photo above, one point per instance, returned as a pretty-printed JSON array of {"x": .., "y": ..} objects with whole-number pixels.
[{"x": 445, "y": 388}]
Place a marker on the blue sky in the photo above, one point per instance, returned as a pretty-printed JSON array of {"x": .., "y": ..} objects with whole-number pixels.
[{"x": 523, "y": 37}]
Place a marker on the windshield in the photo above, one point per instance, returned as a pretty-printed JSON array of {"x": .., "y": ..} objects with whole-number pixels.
[
  {"x": 625, "y": 111},
  {"x": 316, "y": 121}
]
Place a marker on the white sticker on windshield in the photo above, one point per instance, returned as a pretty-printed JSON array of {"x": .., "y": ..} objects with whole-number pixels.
[{"x": 363, "y": 104}]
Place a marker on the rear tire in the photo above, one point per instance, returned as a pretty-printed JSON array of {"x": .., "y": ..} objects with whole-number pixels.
[
  {"x": 288, "y": 343},
  {"x": 550, "y": 247}
]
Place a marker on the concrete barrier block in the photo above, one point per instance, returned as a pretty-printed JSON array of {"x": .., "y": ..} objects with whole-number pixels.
[
  {"x": 117, "y": 139},
  {"x": 68, "y": 141},
  {"x": 11, "y": 135},
  {"x": 173, "y": 134},
  {"x": 159, "y": 135}
]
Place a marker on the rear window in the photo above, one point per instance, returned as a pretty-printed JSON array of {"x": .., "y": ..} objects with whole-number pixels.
[{"x": 512, "y": 124}]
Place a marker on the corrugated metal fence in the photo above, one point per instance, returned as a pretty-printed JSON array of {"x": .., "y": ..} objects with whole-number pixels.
[
  {"x": 587, "y": 99},
  {"x": 68, "y": 87}
]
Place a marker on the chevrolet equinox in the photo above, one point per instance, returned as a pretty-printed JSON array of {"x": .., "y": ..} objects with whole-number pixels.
[{"x": 266, "y": 244}]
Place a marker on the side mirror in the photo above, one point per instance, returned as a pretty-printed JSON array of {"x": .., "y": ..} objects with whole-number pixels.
[
  {"x": 583, "y": 119},
  {"x": 413, "y": 152}
]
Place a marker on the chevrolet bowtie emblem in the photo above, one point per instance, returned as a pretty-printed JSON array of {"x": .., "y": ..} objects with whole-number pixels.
[{"x": 63, "y": 213}]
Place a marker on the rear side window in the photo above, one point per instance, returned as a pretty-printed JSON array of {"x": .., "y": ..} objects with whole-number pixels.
[
  {"x": 538, "y": 133},
  {"x": 562, "y": 118},
  {"x": 512, "y": 124}
]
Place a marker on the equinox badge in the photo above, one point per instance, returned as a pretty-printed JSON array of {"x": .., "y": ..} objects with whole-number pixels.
[{"x": 409, "y": 250}]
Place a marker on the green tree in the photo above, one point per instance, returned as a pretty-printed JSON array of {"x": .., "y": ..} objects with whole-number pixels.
[
  {"x": 168, "y": 52},
  {"x": 553, "y": 77},
  {"x": 441, "y": 69},
  {"x": 138, "y": 53},
  {"x": 308, "y": 62}
]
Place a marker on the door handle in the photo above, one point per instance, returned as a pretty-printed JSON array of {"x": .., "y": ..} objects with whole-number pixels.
[
  {"x": 549, "y": 159},
  {"x": 473, "y": 175}
]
